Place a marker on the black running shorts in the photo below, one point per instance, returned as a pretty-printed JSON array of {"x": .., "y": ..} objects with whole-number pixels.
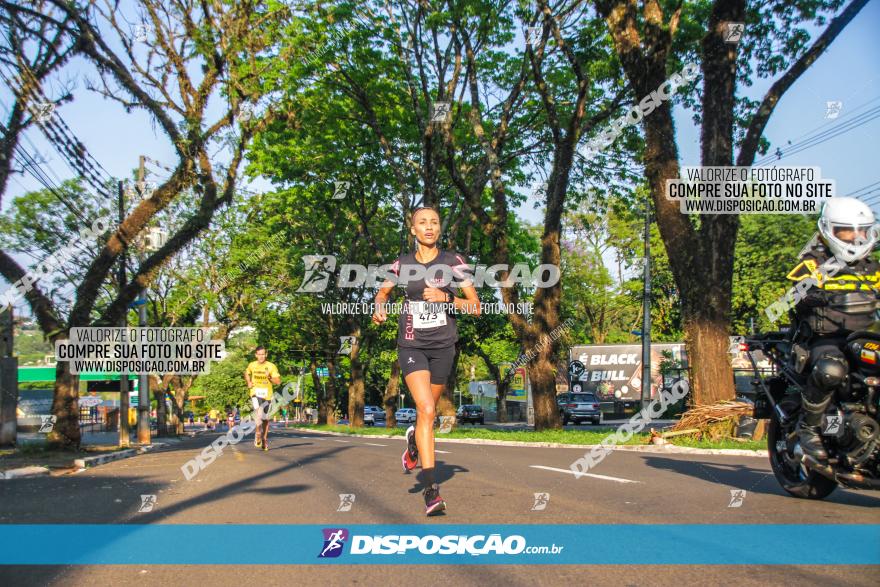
[{"x": 438, "y": 361}]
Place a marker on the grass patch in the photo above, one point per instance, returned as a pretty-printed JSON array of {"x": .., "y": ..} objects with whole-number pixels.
[
  {"x": 723, "y": 443},
  {"x": 34, "y": 454},
  {"x": 592, "y": 436}
]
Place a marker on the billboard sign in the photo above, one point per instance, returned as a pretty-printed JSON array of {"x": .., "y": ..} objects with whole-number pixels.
[
  {"x": 614, "y": 372},
  {"x": 516, "y": 392}
]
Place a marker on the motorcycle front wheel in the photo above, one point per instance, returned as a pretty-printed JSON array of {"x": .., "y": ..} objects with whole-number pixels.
[{"x": 781, "y": 440}]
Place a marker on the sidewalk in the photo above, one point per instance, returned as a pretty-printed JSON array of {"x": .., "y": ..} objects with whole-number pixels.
[{"x": 30, "y": 458}]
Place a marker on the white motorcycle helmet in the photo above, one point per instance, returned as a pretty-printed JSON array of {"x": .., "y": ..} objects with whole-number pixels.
[{"x": 848, "y": 228}]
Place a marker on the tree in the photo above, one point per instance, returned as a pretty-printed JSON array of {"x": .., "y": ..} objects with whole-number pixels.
[
  {"x": 225, "y": 386},
  {"x": 603, "y": 306},
  {"x": 767, "y": 248},
  {"x": 651, "y": 45},
  {"x": 225, "y": 43}
]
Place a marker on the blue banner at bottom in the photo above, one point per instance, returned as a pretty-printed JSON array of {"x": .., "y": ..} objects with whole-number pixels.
[{"x": 597, "y": 544}]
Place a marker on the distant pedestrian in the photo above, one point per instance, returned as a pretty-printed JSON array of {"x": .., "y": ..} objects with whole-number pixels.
[{"x": 260, "y": 375}]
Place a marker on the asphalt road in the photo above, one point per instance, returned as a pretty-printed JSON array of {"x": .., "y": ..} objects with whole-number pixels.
[{"x": 300, "y": 479}]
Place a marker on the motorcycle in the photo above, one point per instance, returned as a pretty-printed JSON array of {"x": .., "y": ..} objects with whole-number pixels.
[{"x": 850, "y": 429}]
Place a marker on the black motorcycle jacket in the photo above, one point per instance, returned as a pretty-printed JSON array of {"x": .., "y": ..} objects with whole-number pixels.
[{"x": 842, "y": 297}]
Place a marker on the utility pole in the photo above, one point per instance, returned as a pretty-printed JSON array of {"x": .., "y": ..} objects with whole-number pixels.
[
  {"x": 8, "y": 379},
  {"x": 646, "y": 311},
  {"x": 123, "y": 376},
  {"x": 143, "y": 421}
]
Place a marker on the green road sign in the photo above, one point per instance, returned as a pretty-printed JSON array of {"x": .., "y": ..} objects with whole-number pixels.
[{"x": 26, "y": 374}]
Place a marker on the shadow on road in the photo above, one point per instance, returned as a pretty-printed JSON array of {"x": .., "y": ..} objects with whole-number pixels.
[
  {"x": 442, "y": 474},
  {"x": 751, "y": 479}
]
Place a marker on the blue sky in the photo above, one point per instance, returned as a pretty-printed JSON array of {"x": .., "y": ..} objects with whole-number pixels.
[{"x": 848, "y": 72}]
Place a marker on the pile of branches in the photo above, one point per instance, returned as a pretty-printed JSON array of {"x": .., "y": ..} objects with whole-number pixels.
[{"x": 715, "y": 421}]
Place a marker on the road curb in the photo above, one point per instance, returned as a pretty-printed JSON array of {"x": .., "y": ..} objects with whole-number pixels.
[
  {"x": 95, "y": 461},
  {"x": 24, "y": 472},
  {"x": 648, "y": 448}
]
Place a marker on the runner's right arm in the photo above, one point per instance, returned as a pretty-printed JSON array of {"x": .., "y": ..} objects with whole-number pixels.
[{"x": 379, "y": 315}]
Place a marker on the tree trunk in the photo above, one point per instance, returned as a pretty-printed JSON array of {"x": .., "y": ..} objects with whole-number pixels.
[
  {"x": 501, "y": 401},
  {"x": 542, "y": 378},
  {"x": 706, "y": 336},
  {"x": 356, "y": 386},
  {"x": 392, "y": 393},
  {"x": 181, "y": 394},
  {"x": 161, "y": 426},
  {"x": 331, "y": 396},
  {"x": 324, "y": 409},
  {"x": 178, "y": 423},
  {"x": 65, "y": 407}
]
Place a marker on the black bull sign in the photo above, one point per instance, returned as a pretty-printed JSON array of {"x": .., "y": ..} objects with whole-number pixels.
[{"x": 614, "y": 371}]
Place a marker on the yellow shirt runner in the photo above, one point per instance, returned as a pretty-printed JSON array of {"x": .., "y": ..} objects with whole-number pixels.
[{"x": 261, "y": 375}]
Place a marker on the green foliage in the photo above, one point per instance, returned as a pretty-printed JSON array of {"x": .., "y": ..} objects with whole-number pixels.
[
  {"x": 225, "y": 384},
  {"x": 31, "y": 347},
  {"x": 767, "y": 249}
]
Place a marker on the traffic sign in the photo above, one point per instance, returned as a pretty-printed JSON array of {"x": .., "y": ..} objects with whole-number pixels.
[
  {"x": 575, "y": 370},
  {"x": 323, "y": 372}
]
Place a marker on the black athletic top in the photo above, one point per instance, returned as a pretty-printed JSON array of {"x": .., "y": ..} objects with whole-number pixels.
[{"x": 418, "y": 326}]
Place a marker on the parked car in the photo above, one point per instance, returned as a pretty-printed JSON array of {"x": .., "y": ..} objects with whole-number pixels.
[
  {"x": 405, "y": 416},
  {"x": 470, "y": 413},
  {"x": 378, "y": 413},
  {"x": 579, "y": 407}
]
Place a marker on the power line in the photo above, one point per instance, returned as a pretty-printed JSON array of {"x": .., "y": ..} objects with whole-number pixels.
[
  {"x": 819, "y": 128},
  {"x": 821, "y": 137},
  {"x": 872, "y": 195},
  {"x": 65, "y": 128},
  {"x": 36, "y": 170},
  {"x": 33, "y": 167},
  {"x": 63, "y": 139},
  {"x": 834, "y": 121},
  {"x": 869, "y": 188}
]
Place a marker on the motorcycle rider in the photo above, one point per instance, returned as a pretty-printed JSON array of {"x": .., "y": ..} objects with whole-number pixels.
[{"x": 842, "y": 299}]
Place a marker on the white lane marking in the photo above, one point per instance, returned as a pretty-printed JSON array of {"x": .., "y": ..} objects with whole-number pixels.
[
  {"x": 374, "y": 444},
  {"x": 335, "y": 440},
  {"x": 442, "y": 452},
  {"x": 570, "y": 472}
]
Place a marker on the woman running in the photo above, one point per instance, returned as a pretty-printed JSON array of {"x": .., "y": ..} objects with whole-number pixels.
[{"x": 427, "y": 335}]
